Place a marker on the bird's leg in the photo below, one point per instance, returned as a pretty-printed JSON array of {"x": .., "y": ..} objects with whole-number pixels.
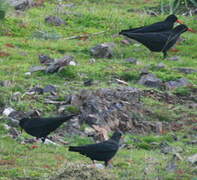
[
  {"x": 165, "y": 54},
  {"x": 43, "y": 139},
  {"x": 109, "y": 164},
  {"x": 106, "y": 163}
]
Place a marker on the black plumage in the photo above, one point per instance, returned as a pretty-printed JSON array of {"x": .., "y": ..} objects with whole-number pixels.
[
  {"x": 103, "y": 151},
  {"x": 165, "y": 25},
  {"x": 159, "y": 41},
  {"x": 42, "y": 127}
]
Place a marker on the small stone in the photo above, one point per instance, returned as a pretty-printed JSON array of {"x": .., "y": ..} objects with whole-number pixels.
[
  {"x": 47, "y": 141},
  {"x": 92, "y": 60},
  {"x": 13, "y": 122},
  {"x": 88, "y": 82},
  {"x": 98, "y": 166},
  {"x": 194, "y": 142},
  {"x": 21, "y": 4},
  {"x": 174, "y": 58},
  {"x": 150, "y": 80},
  {"x": 121, "y": 82},
  {"x": 50, "y": 88},
  {"x": 16, "y": 96},
  {"x": 13, "y": 132},
  {"x": 54, "y": 20},
  {"x": 186, "y": 70},
  {"x": 89, "y": 131},
  {"x": 28, "y": 74},
  {"x": 8, "y": 111},
  {"x": 72, "y": 63},
  {"x": 37, "y": 68},
  {"x": 59, "y": 63},
  {"x": 5, "y": 83},
  {"x": 144, "y": 71},
  {"x": 131, "y": 60},
  {"x": 44, "y": 59},
  {"x": 160, "y": 65},
  {"x": 192, "y": 159},
  {"x": 104, "y": 50},
  {"x": 172, "y": 166},
  {"x": 178, "y": 83},
  {"x": 6, "y": 126},
  {"x": 36, "y": 89}
]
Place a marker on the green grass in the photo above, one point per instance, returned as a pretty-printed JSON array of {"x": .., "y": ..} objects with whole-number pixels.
[{"x": 142, "y": 160}]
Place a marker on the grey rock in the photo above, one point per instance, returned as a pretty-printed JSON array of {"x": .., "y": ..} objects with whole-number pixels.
[
  {"x": 186, "y": 70},
  {"x": 167, "y": 149},
  {"x": 92, "y": 119},
  {"x": 59, "y": 63},
  {"x": 33, "y": 113},
  {"x": 37, "y": 68},
  {"x": 193, "y": 159},
  {"x": 160, "y": 66},
  {"x": 150, "y": 80},
  {"x": 88, "y": 82},
  {"x": 178, "y": 83},
  {"x": 13, "y": 132},
  {"x": 5, "y": 83},
  {"x": 16, "y": 96},
  {"x": 36, "y": 90},
  {"x": 174, "y": 58},
  {"x": 6, "y": 127},
  {"x": 172, "y": 165},
  {"x": 13, "y": 122},
  {"x": 144, "y": 71},
  {"x": 8, "y": 111},
  {"x": 194, "y": 142},
  {"x": 131, "y": 60},
  {"x": 54, "y": 20},
  {"x": 50, "y": 88},
  {"x": 44, "y": 59},
  {"x": 21, "y": 4},
  {"x": 104, "y": 50},
  {"x": 17, "y": 115}
]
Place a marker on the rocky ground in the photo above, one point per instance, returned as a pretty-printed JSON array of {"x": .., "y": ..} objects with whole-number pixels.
[{"x": 65, "y": 57}]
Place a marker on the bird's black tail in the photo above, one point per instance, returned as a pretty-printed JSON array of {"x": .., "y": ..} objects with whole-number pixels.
[
  {"x": 66, "y": 118},
  {"x": 127, "y": 33},
  {"x": 74, "y": 148}
]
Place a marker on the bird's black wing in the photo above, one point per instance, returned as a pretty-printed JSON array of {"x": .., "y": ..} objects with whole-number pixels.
[
  {"x": 156, "y": 27},
  {"x": 153, "y": 41},
  {"x": 103, "y": 147}
]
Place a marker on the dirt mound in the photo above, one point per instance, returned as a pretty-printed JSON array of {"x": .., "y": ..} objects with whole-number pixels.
[{"x": 82, "y": 172}]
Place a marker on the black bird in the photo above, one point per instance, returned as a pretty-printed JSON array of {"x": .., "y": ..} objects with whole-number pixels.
[
  {"x": 165, "y": 25},
  {"x": 42, "y": 127},
  {"x": 159, "y": 41},
  {"x": 103, "y": 151}
]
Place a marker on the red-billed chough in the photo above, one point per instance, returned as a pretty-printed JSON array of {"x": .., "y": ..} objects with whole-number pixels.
[
  {"x": 159, "y": 41},
  {"x": 42, "y": 127},
  {"x": 165, "y": 25},
  {"x": 103, "y": 151}
]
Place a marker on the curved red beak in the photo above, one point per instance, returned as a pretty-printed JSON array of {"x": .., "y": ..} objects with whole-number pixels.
[
  {"x": 179, "y": 21},
  {"x": 191, "y": 30}
]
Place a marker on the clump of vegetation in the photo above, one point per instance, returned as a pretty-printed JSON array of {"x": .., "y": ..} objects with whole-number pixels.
[{"x": 3, "y": 9}]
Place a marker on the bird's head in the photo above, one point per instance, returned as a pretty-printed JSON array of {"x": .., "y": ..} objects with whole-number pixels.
[
  {"x": 173, "y": 18},
  {"x": 117, "y": 135}
]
